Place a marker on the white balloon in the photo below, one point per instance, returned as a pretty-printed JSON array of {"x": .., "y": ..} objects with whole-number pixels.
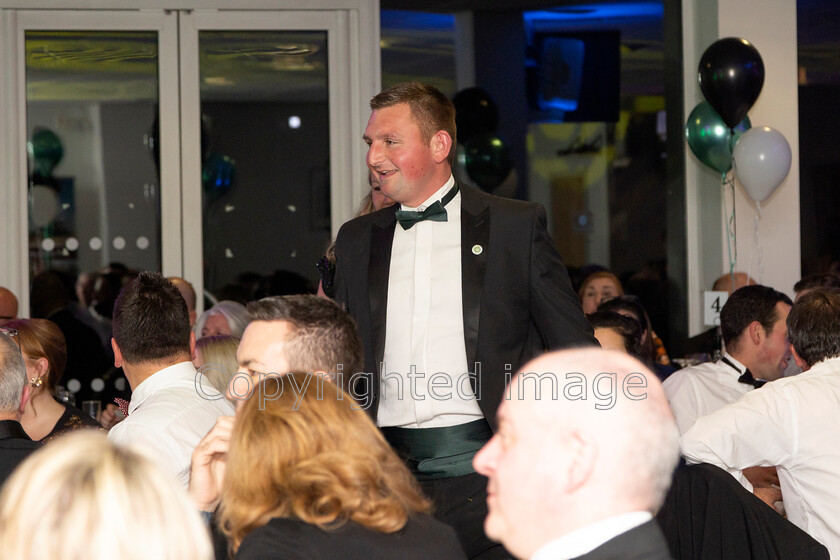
[
  {"x": 43, "y": 205},
  {"x": 761, "y": 159}
]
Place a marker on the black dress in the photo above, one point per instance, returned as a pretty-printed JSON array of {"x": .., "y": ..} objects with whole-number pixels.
[
  {"x": 280, "y": 539},
  {"x": 72, "y": 419}
]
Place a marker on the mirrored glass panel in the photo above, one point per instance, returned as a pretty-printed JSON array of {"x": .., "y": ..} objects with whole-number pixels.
[
  {"x": 91, "y": 118},
  {"x": 265, "y": 161},
  {"x": 94, "y": 209}
]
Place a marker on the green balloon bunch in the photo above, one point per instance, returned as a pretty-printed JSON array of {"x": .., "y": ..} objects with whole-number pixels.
[{"x": 710, "y": 139}]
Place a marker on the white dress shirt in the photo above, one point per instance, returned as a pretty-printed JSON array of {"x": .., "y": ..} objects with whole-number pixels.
[
  {"x": 587, "y": 539},
  {"x": 702, "y": 389},
  {"x": 168, "y": 415},
  {"x": 791, "y": 424},
  {"x": 424, "y": 380}
]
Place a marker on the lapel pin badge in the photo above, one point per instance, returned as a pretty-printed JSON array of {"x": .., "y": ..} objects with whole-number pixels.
[{"x": 477, "y": 249}]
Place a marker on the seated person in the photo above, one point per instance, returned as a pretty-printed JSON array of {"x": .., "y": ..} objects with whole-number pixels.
[
  {"x": 597, "y": 288},
  {"x": 309, "y": 475},
  {"x": 8, "y": 306},
  {"x": 757, "y": 350},
  {"x": 225, "y": 318},
  {"x": 655, "y": 356},
  {"x": 100, "y": 502},
  {"x": 44, "y": 354},
  {"x": 813, "y": 281},
  {"x": 788, "y": 423},
  {"x": 215, "y": 358},
  {"x": 617, "y": 332},
  {"x": 707, "y": 346},
  {"x": 15, "y": 445}
]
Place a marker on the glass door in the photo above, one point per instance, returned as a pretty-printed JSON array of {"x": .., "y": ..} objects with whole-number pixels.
[
  {"x": 207, "y": 144},
  {"x": 101, "y": 181},
  {"x": 265, "y": 106}
]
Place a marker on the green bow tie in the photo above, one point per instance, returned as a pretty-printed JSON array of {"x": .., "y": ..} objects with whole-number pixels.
[{"x": 435, "y": 212}]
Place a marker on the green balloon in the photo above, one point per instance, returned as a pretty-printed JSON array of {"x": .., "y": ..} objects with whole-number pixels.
[
  {"x": 46, "y": 151},
  {"x": 710, "y": 139}
]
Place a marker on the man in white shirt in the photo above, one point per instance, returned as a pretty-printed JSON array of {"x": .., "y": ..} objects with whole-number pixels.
[
  {"x": 171, "y": 407},
  {"x": 757, "y": 350},
  {"x": 579, "y": 472},
  {"x": 286, "y": 334},
  {"x": 452, "y": 289},
  {"x": 790, "y": 424}
]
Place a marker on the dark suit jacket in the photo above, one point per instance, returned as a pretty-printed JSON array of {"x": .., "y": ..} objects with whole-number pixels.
[
  {"x": 708, "y": 514},
  {"x": 289, "y": 539},
  {"x": 644, "y": 542},
  {"x": 15, "y": 446},
  {"x": 517, "y": 298}
]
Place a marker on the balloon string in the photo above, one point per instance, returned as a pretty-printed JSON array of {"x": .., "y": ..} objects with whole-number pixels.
[
  {"x": 758, "y": 248},
  {"x": 731, "y": 224}
]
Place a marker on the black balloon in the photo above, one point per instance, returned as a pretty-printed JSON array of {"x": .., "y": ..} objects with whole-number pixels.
[
  {"x": 488, "y": 161},
  {"x": 731, "y": 76},
  {"x": 475, "y": 113}
]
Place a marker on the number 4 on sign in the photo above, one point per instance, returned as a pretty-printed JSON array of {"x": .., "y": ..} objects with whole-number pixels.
[{"x": 712, "y": 304}]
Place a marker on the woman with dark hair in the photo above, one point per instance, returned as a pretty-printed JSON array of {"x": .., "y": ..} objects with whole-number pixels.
[
  {"x": 652, "y": 347},
  {"x": 45, "y": 355},
  {"x": 618, "y": 332},
  {"x": 310, "y": 476}
]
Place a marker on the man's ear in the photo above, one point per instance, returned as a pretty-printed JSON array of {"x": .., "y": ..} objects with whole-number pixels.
[
  {"x": 118, "y": 359},
  {"x": 584, "y": 457},
  {"x": 798, "y": 359},
  {"x": 24, "y": 396},
  {"x": 756, "y": 333},
  {"x": 441, "y": 144},
  {"x": 192, "y": 345}
]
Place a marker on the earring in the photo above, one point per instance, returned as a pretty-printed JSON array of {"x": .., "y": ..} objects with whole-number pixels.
[{"x": 36, "y": 381}]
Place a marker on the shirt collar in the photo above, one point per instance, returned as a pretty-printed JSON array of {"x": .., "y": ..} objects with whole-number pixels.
[
  {"x": 158, "y": 380},
  {"x": 738, "y": 365},
  {"x": 587, "y": 539},
  {"x": 438, "y": 194}
]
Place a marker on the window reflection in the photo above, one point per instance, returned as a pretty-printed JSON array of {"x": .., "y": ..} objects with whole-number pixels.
[
  {"x": 265, "y": 149},
  {"x": 91, "y": 101}
]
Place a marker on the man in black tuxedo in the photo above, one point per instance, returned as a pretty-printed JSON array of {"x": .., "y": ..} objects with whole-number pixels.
[
  {"x": 452, "y": 290},
  {"x": 586, "y": 482},
  {"x": 15, "y": 444}
]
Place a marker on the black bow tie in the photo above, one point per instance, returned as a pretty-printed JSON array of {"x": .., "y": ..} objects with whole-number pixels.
[
  {"x": 748, "y": 378},
  {"x": 435, "y": 212}
]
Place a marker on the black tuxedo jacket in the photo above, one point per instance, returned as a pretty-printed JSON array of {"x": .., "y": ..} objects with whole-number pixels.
[
  {"x": 516, "y": 295},
  {"x": 15, "y": 446},
  {"x": 644, "y": 542}
]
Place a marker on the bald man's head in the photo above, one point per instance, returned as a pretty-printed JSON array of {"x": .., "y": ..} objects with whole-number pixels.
[
  {"x": 583, "y": 435},
  {"x": 8, "y": 306},
  {"x": 731, "y": 282},
  {"x": 188, "y": 293}
]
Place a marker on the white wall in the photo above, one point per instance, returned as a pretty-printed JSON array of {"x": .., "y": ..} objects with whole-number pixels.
[{"x": 771, "y": 26}]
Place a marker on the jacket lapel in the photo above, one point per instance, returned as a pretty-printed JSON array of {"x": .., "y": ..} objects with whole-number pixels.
[
  {"x": 475, "y": 234},
  {"x": 381, "y": 240}
]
